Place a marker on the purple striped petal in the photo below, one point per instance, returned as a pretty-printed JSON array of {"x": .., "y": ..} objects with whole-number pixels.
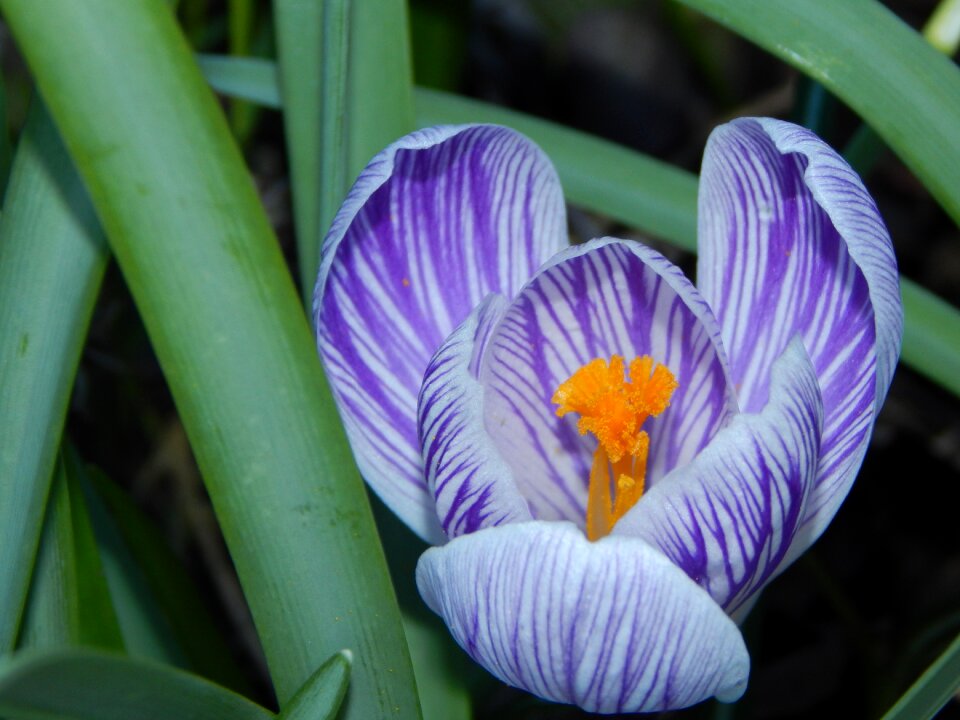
[
  {"x": 611, "y": 626},
  {"x": 472, "y": 485},
  {"x": 730, "y": 517},
  {"x": 436, "y": 222},
  {"x": 595, "y": 300},
  {"x": 791, "y": 243}
]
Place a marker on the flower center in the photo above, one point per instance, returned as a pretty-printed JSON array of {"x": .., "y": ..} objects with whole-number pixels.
[{"x": 614, "y": 410}]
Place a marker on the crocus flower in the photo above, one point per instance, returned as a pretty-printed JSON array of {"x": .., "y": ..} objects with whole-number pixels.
[{"x": 610, "y": 461}]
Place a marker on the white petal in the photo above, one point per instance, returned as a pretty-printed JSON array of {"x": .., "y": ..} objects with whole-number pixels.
[
  {"x": 791, "y": 243},
  {"x": 730, "y": 517},
  {"x": 611, "y": 626},
  {"x": 472, "y": 485},
  {"x": 436, "y": 222}
]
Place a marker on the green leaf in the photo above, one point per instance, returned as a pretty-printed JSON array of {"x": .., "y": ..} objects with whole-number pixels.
[
  {"x": 942, "y": 31},
  {"x": 439, "y": 665},
  {"x": 197, "y": 251},
  {"x": 253, "y": 79},
  {"x": 69, "y": 601},
  {"x": 88, "y": 685},
  {"x": 380, "y": 81},
  {"x": 907, "y": 91},
  {"x": 52, "y": 258},
  {"x": 321, "y": 696},
  {"x": 931, "y": 335},
  {"x": 932, "y": 690},
  {"x": 442, "y": 669},
  {"x": 312, "y": 49},
  {"x": 164, "y": 610}
]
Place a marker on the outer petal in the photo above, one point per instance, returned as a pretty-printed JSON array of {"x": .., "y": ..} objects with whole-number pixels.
[
  {"x": 611, "y": 626},
  {"x": 791, "y": 243},
  {"x": 434, "y": 223},
  {"x": 472, "y": 485},
  {"x": 729, "y": 517},
  {"x": 595, "y": 300}
]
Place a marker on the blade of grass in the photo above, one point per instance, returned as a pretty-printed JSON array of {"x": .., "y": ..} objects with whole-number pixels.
[
  {"x": 322, "y": 694},
  {"x": 52, "y": 258},
  {"x": 6, "y": 150},
  {"x": 942, "y": 31},
  {"x": 907, "y": 91},
  {"x": 380, "y": 81},
  {"x": 932, "y": 690},
  {"x": 240, "y": 24},
  {"x": 253, "y": 79},
  {"x": 195, "y": 247},
  {"x": 171, "y": 610},
  {"x": 69, "y": 601},
  {"x": 89, "y": 685},
  {"x": 312, "y": 50}
]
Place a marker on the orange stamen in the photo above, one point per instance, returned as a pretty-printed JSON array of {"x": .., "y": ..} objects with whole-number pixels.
[{"x": 614, "y": 410}]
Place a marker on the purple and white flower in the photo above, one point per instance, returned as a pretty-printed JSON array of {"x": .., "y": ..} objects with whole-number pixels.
[{"x": 450, "y": 307}]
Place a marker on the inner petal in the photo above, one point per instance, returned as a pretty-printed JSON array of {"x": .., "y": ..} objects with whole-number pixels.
[{"x": 605, "y": 298}]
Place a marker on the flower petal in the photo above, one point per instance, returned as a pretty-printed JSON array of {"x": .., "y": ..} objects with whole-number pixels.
[
  {"x": 611, "y": 626},
  {"x": 598, "y": 299},
  {"x": 435, "y": 222},
  {"x": 791, "y": 243},
  {"x": 730, "y": 516},
  {"x": 472, "y": 485}
]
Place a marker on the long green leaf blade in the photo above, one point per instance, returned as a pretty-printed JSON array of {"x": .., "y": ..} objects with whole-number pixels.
[
  {"x": 321, "y": 696},
  {"x": 932, "y": 690},
  {"x": 380, "y": 82},
  {"x": 164, "y": 610},
  {"x": 250, "y": 78},
  {"x": 907, "y": 91},
  {"x": 88, "y": 685},
  {"x": 312, "y": 50},
  {"x": 52, "y": 258},
  {"x": 195, "y": 247},
  {"x": 69, "y": 601}
]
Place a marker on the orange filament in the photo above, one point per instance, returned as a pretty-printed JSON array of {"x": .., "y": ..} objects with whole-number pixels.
[{"x": 614, "y": 410}]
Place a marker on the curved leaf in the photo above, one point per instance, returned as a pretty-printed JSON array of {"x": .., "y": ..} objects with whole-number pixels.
[
  {"x": 52, "y": 258},
  {"x": 321, "y": 695},
  {"x": 89, "y": 685},
  {"x": 906, "y": 90}
]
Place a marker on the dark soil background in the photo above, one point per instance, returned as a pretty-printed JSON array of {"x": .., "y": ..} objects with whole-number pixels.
[{"x": 858, "y": 618}]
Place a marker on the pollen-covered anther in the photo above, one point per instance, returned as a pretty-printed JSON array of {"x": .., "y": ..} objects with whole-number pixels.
[{"x": 614, "y": 409}]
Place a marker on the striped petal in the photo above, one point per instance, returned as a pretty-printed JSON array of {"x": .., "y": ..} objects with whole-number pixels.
[
  {"x": 435, "y": 222},
  {"x": 595, "y": 300},
  {"x": 472, "y": 485},
  {"x": 611, "y": 626},
  {"x": 730, "y": 517},
  {"x": 791, "y": 243}
]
